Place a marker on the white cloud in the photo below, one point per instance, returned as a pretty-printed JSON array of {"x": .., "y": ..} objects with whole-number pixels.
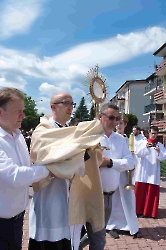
[
  {"x": 18, "y": 82},
  {"x": 67, "y": 71},
  {"x": 17, "y": 16},
  {"x": 51, "y": 89}
]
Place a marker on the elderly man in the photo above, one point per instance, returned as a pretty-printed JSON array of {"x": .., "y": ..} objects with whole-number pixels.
[
  {"x": 48, "y": 222},
  {"x": 115, "y": 160},
  {"x": 15, "y": 171}
]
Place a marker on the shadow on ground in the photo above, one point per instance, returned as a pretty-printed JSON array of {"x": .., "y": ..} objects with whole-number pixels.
[
  {"x": 161, "y": 213},
  {"x": 162, "y": 189},
  {"x": 154, "y": 233}
]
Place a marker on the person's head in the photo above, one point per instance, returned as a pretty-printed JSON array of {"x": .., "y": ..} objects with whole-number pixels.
[
  {"x": 136, "y": 130},
  {"x": 62, "y": 106},
  {"x": 153, "y": 132},
  {"x": 120, "y": 127},
  {"x": 74, "y": 122},
  {"x": 11, "y": 109},
  {"x": 109, "y": 117}
]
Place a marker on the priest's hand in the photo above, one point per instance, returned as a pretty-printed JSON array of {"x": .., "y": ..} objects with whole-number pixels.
[{"x": 105, "y": 162}]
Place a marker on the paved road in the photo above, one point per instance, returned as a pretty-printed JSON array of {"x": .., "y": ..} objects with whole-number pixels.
[{"x": 153, "y": 230}]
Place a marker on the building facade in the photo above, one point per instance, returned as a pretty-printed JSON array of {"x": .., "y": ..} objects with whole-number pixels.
[
  {"x": 153, "y": 111},
  {"x": 131, "y": 100},
  {"x": 160, "y": 95}
]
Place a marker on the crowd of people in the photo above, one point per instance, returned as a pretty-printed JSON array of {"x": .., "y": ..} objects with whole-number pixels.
[{"x": 56, "y": 163}]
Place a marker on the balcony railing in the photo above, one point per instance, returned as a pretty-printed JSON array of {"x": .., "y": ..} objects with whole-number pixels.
[
  {"x": 149, "y": 108},
  {"x": 150, "y": 86},
  {"x": 161, "y": 65},
  {"x": 153, "y": 107},
  {"x": 159, "y": 95},
  {"x": 161, "y": 124}
]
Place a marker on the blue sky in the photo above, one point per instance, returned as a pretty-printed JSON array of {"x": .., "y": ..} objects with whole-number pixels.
[{"x": 47, "y": 46}]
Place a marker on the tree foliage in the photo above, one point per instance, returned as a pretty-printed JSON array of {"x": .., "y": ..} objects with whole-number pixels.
[
  {"x": 31, "y": 113},
  {"x": 132, "y": 121},
  {"x": 82, "y": 112}
]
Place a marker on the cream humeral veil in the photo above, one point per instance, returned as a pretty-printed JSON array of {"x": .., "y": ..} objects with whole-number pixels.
[{"x": 62, "y": 151}]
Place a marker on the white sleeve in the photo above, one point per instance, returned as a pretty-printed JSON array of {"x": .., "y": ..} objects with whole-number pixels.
[
  {"x": 162, "y": 155},
  {"x": 127, "y": 160},
  {"x": 141, "y": 149},
  {"x": 15, "y": 175}
]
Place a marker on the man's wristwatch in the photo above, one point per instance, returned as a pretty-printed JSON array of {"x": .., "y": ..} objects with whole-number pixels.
[{"x": 110, "y": 164}]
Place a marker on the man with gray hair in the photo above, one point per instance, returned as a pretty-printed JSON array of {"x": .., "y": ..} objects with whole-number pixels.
[
  {"x": 115, "y": 160},
  {"x": 15, "y": 171}
]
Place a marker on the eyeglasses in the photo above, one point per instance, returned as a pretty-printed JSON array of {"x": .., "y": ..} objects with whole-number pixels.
[
  {"x": 153, "y": 133},
  {"x": 112, "y": 117},
  {"x": 67, "y": 104}
]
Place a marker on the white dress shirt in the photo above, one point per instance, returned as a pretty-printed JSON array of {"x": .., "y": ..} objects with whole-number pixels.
[
  {"x": 121, "y": 157},
  {"x": 16, "y": 174}
]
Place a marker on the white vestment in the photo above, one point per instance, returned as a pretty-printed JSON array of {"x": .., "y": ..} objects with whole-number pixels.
[
  {"x": 148, "y": 171},
  {"x": 123, "y": 214},
  {"x": 49, "y": 220},
  {"x": 137, "y": 140}
]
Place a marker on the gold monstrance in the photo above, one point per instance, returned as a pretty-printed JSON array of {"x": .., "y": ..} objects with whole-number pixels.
[{"x": 97, "y": 88}]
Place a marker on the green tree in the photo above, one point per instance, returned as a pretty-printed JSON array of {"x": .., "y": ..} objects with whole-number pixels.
[
  {"x": 82, "y": 112},
  {"x": 31, "y": 113},
  {"x": 132, "y": 120}
]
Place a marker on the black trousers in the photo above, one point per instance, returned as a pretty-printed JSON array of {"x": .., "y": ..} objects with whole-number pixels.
[
  {"x": 11, "y": 233},
  {"x": 63, "y": 244}
]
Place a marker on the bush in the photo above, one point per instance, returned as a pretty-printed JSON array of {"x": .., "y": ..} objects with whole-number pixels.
[{"x": 163, "y": 168}]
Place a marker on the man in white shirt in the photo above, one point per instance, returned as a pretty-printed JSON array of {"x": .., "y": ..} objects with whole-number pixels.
[
  {"x": 15, "y": 171},
  {"x": 48, "y": 220},
  {"x": 123, "y": 216},
  {"x": 147, "y": 178},
  {"x": 115, "y": 160}
]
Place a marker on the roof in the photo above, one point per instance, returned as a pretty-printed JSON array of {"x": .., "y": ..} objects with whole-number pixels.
[
  {"x": 151, "y": 77},
  {"x": 130, "y": 82},
  {"x": 161, "y": 51}
]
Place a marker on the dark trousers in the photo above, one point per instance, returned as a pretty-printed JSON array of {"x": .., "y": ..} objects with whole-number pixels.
[
  {"x": 63, "y": 244},
  {"x": 97, "y": 240},
  {"x": 11, "y": 233}
]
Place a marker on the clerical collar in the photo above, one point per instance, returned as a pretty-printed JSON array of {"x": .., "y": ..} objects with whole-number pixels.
[{"x": 60, "y": 125}]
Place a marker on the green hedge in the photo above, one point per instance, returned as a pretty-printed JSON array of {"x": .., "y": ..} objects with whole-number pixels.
[{"x": 163, "y": 168}]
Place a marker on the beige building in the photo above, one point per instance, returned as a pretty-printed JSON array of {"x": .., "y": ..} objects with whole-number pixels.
[{"x": 160, "y": 95}]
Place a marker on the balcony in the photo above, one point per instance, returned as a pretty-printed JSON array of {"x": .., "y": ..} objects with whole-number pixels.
[
  {"x": 150, "y": 88},
  {"x": 160, "y": 97},
  {"x": 161, "y": 124},
  {"x": 154, "y": 85},
  {"x": 120, "y": 100},
  {"x": 152, "y": 108},
  {"x": 161, "y": 68}
]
